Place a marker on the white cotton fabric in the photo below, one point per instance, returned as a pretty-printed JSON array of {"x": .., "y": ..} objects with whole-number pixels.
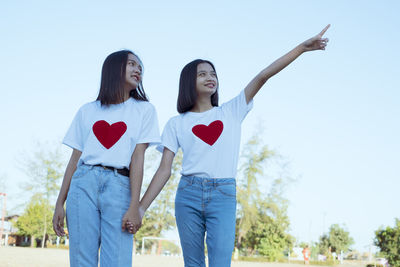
[
  {"x": 141, "y": 123},
  {"x": 217, "y": 160}
]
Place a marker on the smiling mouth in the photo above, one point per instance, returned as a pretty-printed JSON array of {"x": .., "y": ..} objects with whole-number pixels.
[
  {"x": 210, "y": 85},
  {"x": 136, "y": 77}
]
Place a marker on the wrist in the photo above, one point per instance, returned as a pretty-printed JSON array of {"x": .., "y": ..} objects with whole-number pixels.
[
  {"x": 301, "y": 48},
  {"x": 143, "y": 206},
  {"x": 134, "y": 206},
  {"x": 60, "y": 204}
]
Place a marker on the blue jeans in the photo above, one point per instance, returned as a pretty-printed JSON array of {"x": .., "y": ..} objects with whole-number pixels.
[
  {"x": 96, "y": 202},
  {"x": 206, "y": 205}
]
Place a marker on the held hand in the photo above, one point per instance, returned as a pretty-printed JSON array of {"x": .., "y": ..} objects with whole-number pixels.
[
  {"x": 316, "y": 42},
  {"x": 129, "y": 225},
  {"x": 131, "y": 221},
  {"x": 58, "y": 220}
]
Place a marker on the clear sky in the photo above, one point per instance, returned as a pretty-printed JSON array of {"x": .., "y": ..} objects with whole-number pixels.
[{"x": 333, "y": 114}]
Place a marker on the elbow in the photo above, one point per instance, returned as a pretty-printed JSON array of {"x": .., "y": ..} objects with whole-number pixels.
[
  {"x": 167, "y": 174},
  {"x": 164, "y": 173},
  {"x": 263, "y": 79}
]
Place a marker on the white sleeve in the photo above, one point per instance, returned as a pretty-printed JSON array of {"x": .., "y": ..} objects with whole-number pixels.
[
  {"x": 74, "y": 136},
  {"x": 149, "y": 132},
  {"x": 238, "y": 106},
  {"x": 169, "y": 138}
]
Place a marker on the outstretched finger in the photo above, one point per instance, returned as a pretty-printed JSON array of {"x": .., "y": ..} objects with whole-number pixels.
[{"x": 324, "y": 30}]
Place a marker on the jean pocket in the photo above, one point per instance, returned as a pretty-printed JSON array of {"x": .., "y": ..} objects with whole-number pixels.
[
  {"x": 183, "y": 183},
  {"x": 124, "y": 181},
  {"x": 79, "y": 172},
  {"x": 227, "y": 189}
]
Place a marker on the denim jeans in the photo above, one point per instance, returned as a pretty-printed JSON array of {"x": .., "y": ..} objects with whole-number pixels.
[
  {"x": 204, "y": 205},
  {"x": 96, "y": 202}
]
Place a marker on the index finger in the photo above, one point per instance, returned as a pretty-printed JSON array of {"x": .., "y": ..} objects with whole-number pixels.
[{"x": 324, "y": 30}]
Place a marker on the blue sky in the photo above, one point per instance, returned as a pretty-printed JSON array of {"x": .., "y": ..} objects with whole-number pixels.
[{"x": 333, "y": 114}]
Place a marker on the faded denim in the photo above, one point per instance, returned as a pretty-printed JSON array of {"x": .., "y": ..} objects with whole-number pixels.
[
  {"x": 97, "y": 200},
  {"x": 204, "y": 205}
]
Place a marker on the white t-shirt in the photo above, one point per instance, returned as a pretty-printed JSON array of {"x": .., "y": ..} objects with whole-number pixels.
[
  {"x": 209, "y": 140},
  {"x": 108, "y": 135}
]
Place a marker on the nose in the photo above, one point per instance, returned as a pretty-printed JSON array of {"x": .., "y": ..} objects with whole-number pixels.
[
  {"x": 209, "y": 76},
  {"x": 137, "y": 70}
]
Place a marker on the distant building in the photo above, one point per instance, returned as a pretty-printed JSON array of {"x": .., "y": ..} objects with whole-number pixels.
[{"x": 10, "y": 236}]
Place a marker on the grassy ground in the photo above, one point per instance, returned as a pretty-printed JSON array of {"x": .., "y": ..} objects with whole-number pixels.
[{"x": 48, "y": 257}]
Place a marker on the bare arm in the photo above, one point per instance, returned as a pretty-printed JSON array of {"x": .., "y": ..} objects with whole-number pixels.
[
  {"x": 59, "y": 213},
  {"x": 160, "y": 178},
  {"x": 136, "y": 177},
  {"x": 314, "y": 43}
]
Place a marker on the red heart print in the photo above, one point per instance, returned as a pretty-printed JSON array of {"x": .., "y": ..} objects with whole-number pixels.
[
  {"x": 209, "y": 134},
  {"x": 108, "y": 134}
]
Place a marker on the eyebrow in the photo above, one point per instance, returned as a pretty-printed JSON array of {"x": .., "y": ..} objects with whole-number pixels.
[{"x": 201, "y": 71}]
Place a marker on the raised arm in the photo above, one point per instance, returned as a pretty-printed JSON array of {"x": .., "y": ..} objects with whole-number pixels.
[
  {"x": 59, "y": 212},
  {"x": 314, "y": 43}
]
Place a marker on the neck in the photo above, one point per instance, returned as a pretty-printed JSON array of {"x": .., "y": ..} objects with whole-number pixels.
[
  {"x": 202, "y": 104},
  {"x": 127, "y": 92},
  {"x": 126, "y": 97}
]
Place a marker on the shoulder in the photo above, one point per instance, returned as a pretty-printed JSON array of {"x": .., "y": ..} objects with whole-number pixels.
[
  {"x": 174, "y": 121},
  {"x": 142, "y": 105},
  {"x": 239, "y": 97},
  {"x": 90, "y": 106}
]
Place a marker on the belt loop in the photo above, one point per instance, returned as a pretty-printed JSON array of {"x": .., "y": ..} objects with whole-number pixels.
[
  {"x": 215, "y": 183},
  {"x": 191, "y": 179},
  {"x": 86, "y": 165},
  {"x": 115, "y": 172}
]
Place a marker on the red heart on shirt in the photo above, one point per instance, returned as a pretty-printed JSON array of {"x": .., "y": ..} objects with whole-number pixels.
[
  {"x": 209, "y": 134},
  {"x": 108, "y": 134}
]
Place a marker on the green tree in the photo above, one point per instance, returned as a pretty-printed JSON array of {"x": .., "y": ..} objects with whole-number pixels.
[
  {"x": 248, "y": 192},
  {"x": 262, "y": 221},
  {"x": 337, "y": 240},
  {"x": 324, "y": 244},
  {"x": 388, "y": 241},
  {"x": 269, "y": 238},
  {"x": 45, "y": 169},
  {"x": 31, "y": 222}
]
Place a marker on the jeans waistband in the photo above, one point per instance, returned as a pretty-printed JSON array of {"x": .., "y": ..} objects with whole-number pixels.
[
  {"x": 123, "y": 172},
  {"x": 208, "y": 181}
]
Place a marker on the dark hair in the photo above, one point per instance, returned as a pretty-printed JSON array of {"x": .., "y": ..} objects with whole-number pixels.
[
  {"x": 187, "y": 87},
  {"x": 113, "y": 80}
]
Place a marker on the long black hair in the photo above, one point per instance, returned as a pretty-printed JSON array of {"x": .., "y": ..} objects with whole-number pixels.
[
  {"x": 187, "y": 87},
  {"x": 113, "y": 80}
]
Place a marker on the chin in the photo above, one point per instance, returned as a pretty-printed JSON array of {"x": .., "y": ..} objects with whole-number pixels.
[{"x": 134, "y": 86}]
